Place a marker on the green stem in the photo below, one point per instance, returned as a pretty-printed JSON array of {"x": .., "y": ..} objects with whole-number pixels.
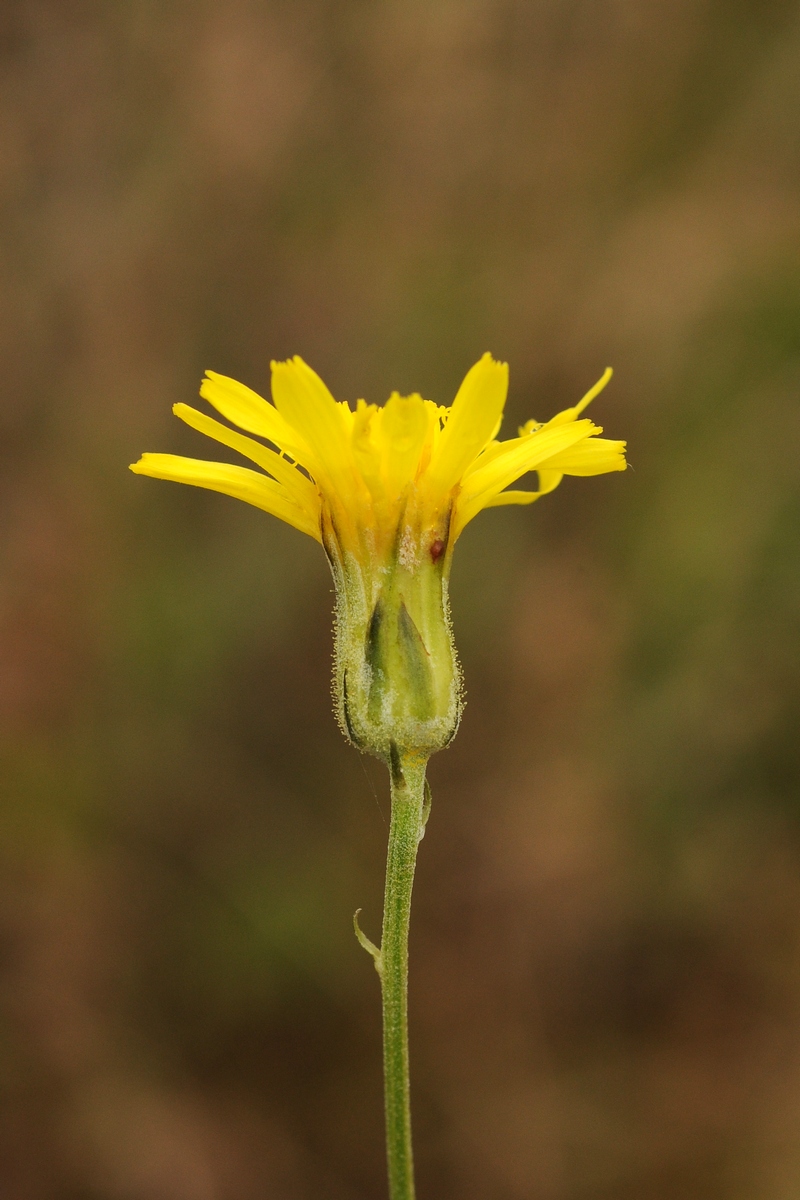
[{"x": 406, "y": 829}]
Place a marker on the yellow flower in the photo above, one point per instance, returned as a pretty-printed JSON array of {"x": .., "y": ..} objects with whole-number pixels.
[{"x": 387, "y": 491}]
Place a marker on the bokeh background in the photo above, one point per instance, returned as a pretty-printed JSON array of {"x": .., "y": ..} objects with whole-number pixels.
[{"x": 605, "y": 998}]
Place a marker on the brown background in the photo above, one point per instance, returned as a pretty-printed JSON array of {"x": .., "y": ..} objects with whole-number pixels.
[{"x": 606, "y": 940}]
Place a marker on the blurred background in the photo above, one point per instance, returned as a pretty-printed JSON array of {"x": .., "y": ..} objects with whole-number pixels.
[{"x": 605, "y": 998}]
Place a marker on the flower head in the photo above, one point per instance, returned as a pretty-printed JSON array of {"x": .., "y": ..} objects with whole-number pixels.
[{"x": 387, "y": 490}]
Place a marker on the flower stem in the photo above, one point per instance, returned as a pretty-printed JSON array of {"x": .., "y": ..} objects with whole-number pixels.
[{"x": 409, "y": 802}]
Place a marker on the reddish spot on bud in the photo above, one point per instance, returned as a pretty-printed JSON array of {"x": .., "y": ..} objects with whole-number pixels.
[{"x": 437, "y": 550}]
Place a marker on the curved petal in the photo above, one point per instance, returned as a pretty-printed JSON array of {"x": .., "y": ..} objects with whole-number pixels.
[
  {"x": 588, "y": 455},
  {"x": 473, "y": 420},
  {"x": 304, "y": 401},
  {"x": 245, "y": 408},
  {"x": 239, "y": 482},
  {"x": 403, "y": 429},
  {"x": 548, "y": 482},
  {"x": 520, "y": 455},
  {"x": 570, "y": 414},
  {"x": 301, "y": 490},
  {"x": 594, "y": 456}
]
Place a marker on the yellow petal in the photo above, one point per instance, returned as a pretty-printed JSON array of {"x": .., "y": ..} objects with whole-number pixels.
[
  {"x": 509, "y": 497},
  {"x": 303, "y": 400},
  {"x": 520, "y": 455},
  {"x": 488, "y": 455},
  {"x": 588, "y": 455},
  {"x": 472, "y": 422},
  {"x": 548, "y": 481},
  {"x": 594, "y": 456},
  {"x": 403, "y": 430},
  {"x": 245, "y": 408},
  {"x": 365, "y": 451},
  {"x": 515, "y": 459},
  {"x": 239, "y": 482},
  {"x": 299, "y": 488},
  {"x": 570, "y": 414}
]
